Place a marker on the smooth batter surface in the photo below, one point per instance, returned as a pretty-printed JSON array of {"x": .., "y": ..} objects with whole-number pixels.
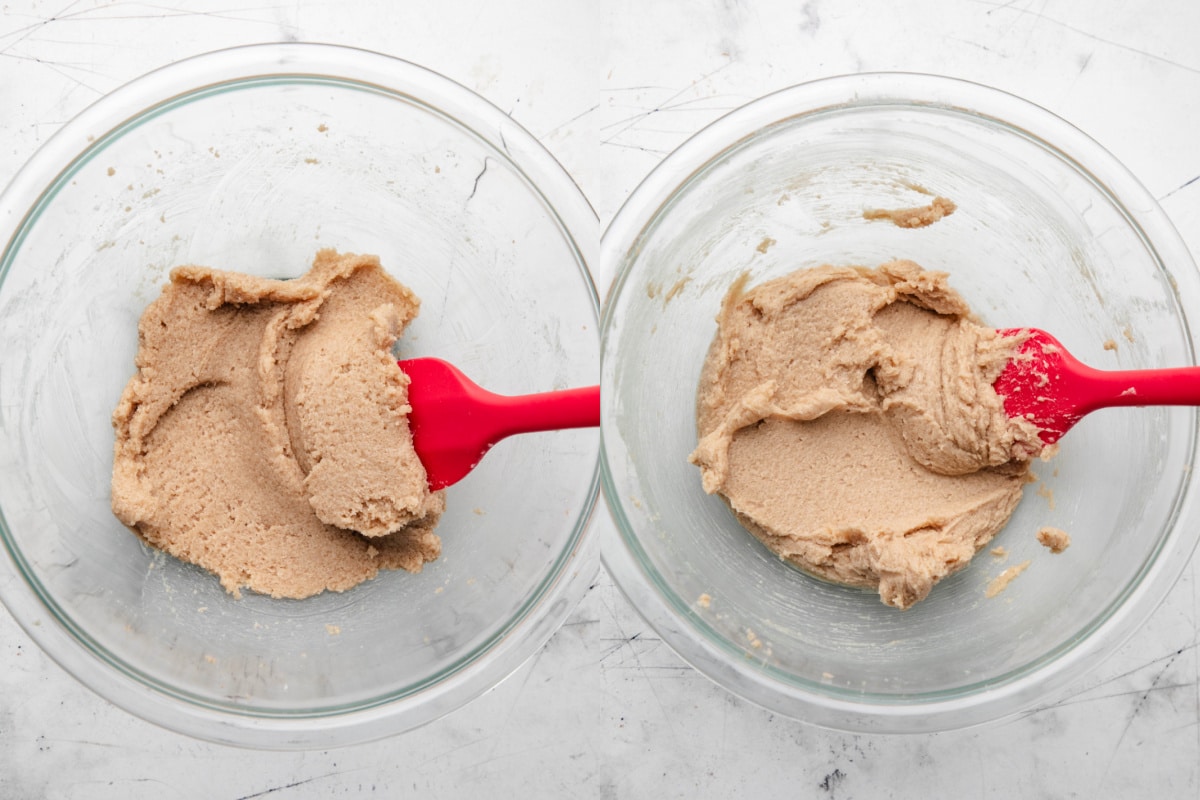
[
  {"x": 265, "y": 435},
  {"x": 848, "y": 417}
]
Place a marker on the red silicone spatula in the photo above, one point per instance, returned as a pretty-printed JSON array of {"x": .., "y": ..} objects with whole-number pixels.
[
  {"x": 454, "y": 422},
  {"x": 1054, "y": 390}
]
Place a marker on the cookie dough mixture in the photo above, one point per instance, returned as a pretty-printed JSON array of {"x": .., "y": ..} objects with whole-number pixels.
[
  {"x": 1001, "y": 581},
  {"x": 919, "y": 217},
  {"x": 1056, "y": 539},
  {"x": 265, "y": 435},
  {"x": 848, "y": 418}
]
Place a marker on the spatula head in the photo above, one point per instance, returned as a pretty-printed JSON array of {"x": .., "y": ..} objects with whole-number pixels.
[
  {"x": 450, "y": 427},
  {"x": 1037, "y": 383}
]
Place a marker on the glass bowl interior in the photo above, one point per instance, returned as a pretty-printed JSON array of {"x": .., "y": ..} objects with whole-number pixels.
[
  {"x": 1038, "y": 240},
  {"x": 252, "y": 160}
]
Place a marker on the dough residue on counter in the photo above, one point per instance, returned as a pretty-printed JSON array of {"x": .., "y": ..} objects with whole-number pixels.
[
  {"x": 848, "y": 418},
  {"x": 265, "y": 435},
  {"x": 1054, "y": 538},
  {"x": 918, "y": 217}
]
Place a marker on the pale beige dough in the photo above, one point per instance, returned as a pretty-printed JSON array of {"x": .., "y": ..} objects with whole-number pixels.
[
  {"x": 265, "y": 435},
  {"x": 1001, "y": 581},
  {"x": 918, "y": 217},
  {"x": 848, "y": 418},
  {"x": 1056, "y": 539}
]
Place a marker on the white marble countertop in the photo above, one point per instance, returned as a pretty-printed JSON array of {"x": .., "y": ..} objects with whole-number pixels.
[{"x": 606, "y": 709}]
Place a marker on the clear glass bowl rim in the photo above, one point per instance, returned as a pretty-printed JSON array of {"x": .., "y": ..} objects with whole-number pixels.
[
  {"x": 139, "y": 100},
  {"x": 677, "y": 624}
]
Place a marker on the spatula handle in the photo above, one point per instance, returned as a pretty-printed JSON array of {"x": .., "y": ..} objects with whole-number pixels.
[
  {"x": 1178, "y": 386},
  {"x": 548, "y": 411}
]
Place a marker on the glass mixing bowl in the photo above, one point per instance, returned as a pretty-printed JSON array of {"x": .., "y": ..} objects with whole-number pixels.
[
  {"x": 252, "y": 159},
  {"x": 1051, "y": 231}
]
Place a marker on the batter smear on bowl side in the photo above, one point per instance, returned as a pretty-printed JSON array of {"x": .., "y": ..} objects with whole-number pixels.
[
  {"x": 919, "y": 217},
  {"x": 847, "y": 416},
  {"x": 265, "y": 434}
]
